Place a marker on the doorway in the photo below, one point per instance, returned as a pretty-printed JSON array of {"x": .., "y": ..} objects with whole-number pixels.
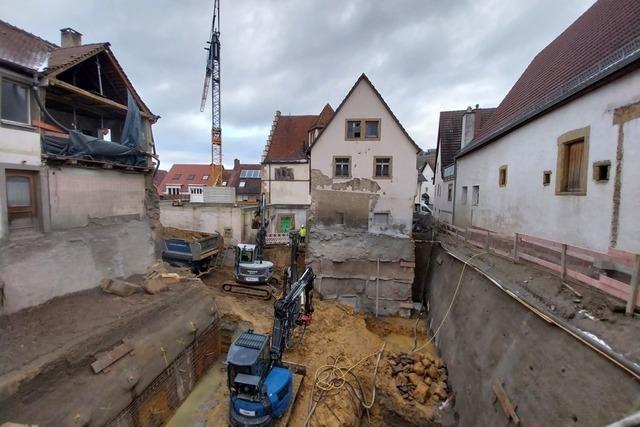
[{"x": 22, "y": 206}]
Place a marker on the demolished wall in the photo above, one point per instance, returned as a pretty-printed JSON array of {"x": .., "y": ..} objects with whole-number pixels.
[
  {"x": 37, "y": 269},
  {"x": 371, "y": 272},
  {"x": 488, "y": 338}
]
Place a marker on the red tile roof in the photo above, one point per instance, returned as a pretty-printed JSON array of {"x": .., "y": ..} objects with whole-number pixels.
[
  {"x": 157, "y": 179},
  {"x": 290, "y": 138},
  {"x": 27, "y": 52},
  {"x": 601, "y": 41},
  {"x": 324, "y": 117},
  {"x": 21, "y": 49},
  {"x": 179, "y": 175}
]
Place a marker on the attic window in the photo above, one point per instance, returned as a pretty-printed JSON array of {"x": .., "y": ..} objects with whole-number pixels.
[
  {"x": 191, "y": 177},
  {"x": 546, "y": 178},
  {"x": 224, "y": 183},
  {"x": 177, "y": 176},
  {"x": 206, "y": 177},
  {"x": 242, "y": 184},
  {"x": 354, "y": 129}
]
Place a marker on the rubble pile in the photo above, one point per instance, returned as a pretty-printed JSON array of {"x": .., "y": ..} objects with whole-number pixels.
[
  {"x": 158, "y": 277},
  {"x": 419, "y": 377}
]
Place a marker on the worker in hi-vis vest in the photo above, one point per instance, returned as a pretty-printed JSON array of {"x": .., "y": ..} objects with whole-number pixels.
[{"x": 303, "y": 234}]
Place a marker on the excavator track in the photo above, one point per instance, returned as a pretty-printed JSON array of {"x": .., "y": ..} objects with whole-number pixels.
[{"x": 260, "y": 292}]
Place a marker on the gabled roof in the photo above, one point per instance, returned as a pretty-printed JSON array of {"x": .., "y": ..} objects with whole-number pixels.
[
  {"x": 179, "y": 174},
  {"x": 323, "y": 118},
  {"x": 233, "y": 179},
  {"x": 364, "y": 78},
  {"x": 601, "y": 42},
  {"x": 29, "y": 53},
  {"x": 450, "y": 132},
  {"x": 290, "y": 138},
  {"x": 23, "y": 50}
]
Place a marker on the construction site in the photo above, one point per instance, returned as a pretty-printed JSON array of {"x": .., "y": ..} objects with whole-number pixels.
[{"x": 350, "y": 278}]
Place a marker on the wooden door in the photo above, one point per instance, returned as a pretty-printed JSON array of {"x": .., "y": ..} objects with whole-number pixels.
[{"x": 22, "y": 207}]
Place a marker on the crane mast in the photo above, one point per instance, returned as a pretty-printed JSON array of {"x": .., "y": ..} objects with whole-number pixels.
[{"x": 212, "y": 81}]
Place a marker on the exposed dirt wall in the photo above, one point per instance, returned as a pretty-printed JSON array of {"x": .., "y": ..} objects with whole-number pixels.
[{"x": 488, "y": 337}]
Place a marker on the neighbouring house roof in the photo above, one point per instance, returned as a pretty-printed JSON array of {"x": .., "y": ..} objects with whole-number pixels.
[
  {"x": 179, "y": 174},
  {"x": 158, "y": 177},
  {"x": 603, "y": 41},
  {"x": 290, "y": 138},
  {"x": 431, "y": 159},
  {"x": 24, "y": 51},
  {"x": 363, "y": 78},
  {"x": 323, "y": 118},
  {"x": 233, "y": 178},
  {"x": 450, "y": 133}
]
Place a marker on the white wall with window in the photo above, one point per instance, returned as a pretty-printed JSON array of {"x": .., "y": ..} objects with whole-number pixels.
[
  {"x": 19, "y": 141},
  {"x": 561, "y": 173},
  {"x": 442, "y": 206},
  {"x": 363, "y": 143}
]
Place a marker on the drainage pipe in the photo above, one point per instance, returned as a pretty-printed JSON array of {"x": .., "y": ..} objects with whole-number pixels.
[{"x": 604, "y": 350}]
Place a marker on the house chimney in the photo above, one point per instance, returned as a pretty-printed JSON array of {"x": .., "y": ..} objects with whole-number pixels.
[
  {"x": 236, "y": 163},
  {"x": 468, "y": 126},
  {"x": 70, "y": 37}
]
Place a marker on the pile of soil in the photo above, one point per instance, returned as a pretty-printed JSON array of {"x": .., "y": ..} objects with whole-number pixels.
[{"x": 176, "y": 233}]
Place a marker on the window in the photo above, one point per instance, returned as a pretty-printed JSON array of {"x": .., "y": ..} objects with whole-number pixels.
[
  {"x": 362, "y": 129},
  {"x": 173, "y": 191},
  {"x": 372, "y": 129},
  {"x": 463, "y": 197},
  {"x": 439, "y": 192},
  {"x": 195, "y": 190},
  {"x": 224, "y": 183},
  {"x": 340, "y": 218},
  {"x": 191, "y": 177},
  {"x": 177, "y": 176},
  {"x": 502, "y": 176},
  {"x": 353, "y": 129},
  {"x": 22, "y": 199},
  {"x": 242, "y": 184},
  {"x": 450, "y": 193},
  {"x": 284, "y": 174},
  {"x": 342, "y": 167},
  {"x": 381, "y": 218},
  {"x": 475, "y": 195},
  {"x": 206, "y": 177},
  {"x": 573, "y": 154},
  {"x": 601, "y": 171},
  {"x": 546, "y": 178},
  {"x": 382, "y": 167},
  {"x": 249, "y": 173},
  {"x": 15, "y": 102}
]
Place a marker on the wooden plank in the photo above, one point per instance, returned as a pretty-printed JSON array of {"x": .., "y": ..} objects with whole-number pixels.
[
  {"x": 536, "y": 260},
  {"x": 615, "y": 284},
  {"x": 501, "y": 252},
  {"x": 505, "y": 402},
  {"x": 563, "y": 261},
  {"x": 635, "y": 285},
  {"x": 550, "y": 244},
  {"x": 614, "y": 292},
  {"x": 583, "y": 278},
  {"x": 407, "y": 264},
  {"x": 621, "y": 257},
  {"x": 109, "y": 358}
]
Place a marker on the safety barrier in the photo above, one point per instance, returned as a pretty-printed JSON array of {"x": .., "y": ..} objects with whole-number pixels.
[{"x": 616, "y": 272}]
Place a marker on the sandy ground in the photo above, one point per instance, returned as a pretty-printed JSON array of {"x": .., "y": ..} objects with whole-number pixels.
[
  {"x": 338, "y": 332},
  {"x": 594, "y": 312}
]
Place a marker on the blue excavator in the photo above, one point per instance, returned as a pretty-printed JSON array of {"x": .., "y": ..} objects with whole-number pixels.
[{"x": 260, "y": 383}]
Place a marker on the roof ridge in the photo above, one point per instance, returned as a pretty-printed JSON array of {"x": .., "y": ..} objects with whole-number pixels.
[{"x": 52, "y": 45}]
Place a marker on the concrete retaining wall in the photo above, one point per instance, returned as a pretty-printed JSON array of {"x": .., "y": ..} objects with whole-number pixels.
[
  {"x": 37, "y": 269},
  {"x": 488, "y": 337},
  {"x": 228, "y": 220},
  {"x": 361, "y": 268}
]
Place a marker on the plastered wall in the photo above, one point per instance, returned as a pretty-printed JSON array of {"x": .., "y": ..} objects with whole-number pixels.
[
  {"x": 525, "y": 205},
  {"x": 207, "y": 218}
]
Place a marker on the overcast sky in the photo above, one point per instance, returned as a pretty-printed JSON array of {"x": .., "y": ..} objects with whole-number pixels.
[{"x": 295, "y": 56}]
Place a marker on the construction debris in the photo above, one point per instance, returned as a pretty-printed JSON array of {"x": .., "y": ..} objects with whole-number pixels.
[
  {"x": 419, "y": 377},
  {"x": 120, "y": 287}
]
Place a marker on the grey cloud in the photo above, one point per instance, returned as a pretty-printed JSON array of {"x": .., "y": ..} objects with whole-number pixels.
[{"x": 291, "y": 55}]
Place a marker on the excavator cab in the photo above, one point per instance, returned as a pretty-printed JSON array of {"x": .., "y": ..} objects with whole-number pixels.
[
  {"x": 248, "y": 269},
  {"x": 259, "y": 391}
]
